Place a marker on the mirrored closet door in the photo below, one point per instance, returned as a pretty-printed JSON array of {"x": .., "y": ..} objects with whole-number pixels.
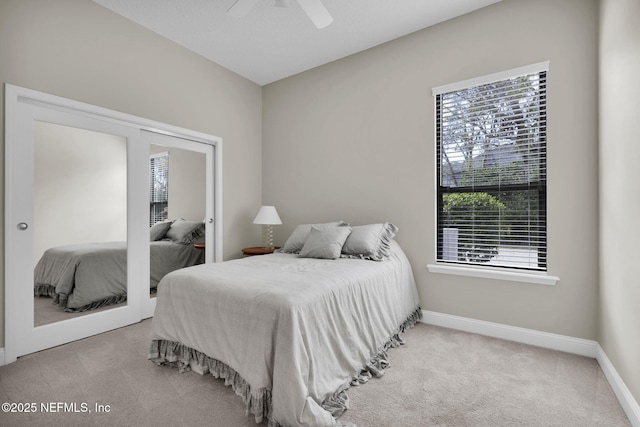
[
  {"x": 79, "y": 211},
  {"x": 79, "y": 208},
  {"x": 71, "y": 228},
  {"x": 181, "y": 206}
]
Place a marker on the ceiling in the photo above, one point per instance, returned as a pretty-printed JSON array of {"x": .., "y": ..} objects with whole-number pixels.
[{"x": 271, "y": 43}]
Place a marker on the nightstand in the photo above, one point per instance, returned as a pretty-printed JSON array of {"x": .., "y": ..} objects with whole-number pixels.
[{"x": 258, "y": 250}]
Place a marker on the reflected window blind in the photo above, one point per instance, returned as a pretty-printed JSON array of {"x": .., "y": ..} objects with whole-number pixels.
[
  {"x": 491, "y": 169},
  {"x": 158, "y": 187}
]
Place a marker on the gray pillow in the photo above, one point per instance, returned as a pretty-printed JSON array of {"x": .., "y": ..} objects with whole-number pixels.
[
  {"x": 296, "y": 241},
  {"x": 158, "y": 230},
  {"x": 182, "y": 231},
  {"x": 369, "y": 241},
  {"x": 325, "y": 242}
]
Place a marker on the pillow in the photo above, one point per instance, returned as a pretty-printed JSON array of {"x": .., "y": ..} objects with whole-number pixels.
[
  {"x": 325, "y": 242},
  {"x": 182, "y": 231},
  {"x": 370, "y": 241},
  {"x": 158, "y": 230},
  {"x": 296, "y": 241}
]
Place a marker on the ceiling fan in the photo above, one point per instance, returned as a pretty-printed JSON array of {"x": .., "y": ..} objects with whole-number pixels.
[{"x": 314, "y": 9}]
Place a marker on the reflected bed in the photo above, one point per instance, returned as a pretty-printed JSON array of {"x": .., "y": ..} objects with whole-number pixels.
[{"x": 87, "y": 276}]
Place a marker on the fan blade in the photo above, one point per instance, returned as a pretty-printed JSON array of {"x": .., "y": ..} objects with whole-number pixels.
[
  {"x": 241, "y": 7},
  {"x": 316, "y": 12}
]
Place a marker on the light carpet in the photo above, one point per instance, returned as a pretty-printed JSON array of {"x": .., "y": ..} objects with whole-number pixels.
[{"x": 441, "y": 377}]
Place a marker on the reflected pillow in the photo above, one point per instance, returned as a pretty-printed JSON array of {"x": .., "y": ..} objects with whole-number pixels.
[
  {"x": 182, "y": 231},
  {"x": 158, "y": 230},
  {"x": 296, "y": 241},
  {"x": 370, "y": 242},
  {"x": 325, "y": 243}
]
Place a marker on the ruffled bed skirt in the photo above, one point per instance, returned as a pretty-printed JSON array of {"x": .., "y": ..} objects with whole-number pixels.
[
  {"x": 258, "y": 401},
  {"x": 61, "y": 299},
  {"x": 44, "y": 291}
]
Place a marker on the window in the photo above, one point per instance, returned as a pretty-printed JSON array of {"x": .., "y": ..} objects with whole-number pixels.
[
  {"x": 491, "y": 170},
  {"x": 159, "y": 187}
]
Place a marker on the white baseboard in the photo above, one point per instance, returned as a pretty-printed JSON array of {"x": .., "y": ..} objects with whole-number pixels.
[
  {"x": 512, "y": 333},
  {"x": 2, "y": 361},
  {"x": 628, "y": 403},
  {"x": 547, "y": 340}
]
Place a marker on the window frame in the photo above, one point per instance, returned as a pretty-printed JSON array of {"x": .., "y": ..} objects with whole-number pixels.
[{"x": 469, "y": 268}]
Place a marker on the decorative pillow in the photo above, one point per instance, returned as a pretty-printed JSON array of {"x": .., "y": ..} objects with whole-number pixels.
[
  {"x": 182, "y": 231},
  {"x": 325, "y": 242},
  {"x": 296, "y": 241},
  {"x": 158, "y": 230},
  {"x": 369, "y": 241}
]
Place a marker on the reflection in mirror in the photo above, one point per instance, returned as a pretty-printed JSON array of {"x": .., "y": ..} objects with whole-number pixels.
[
  {"x": 176, "y": 210},
  {"x": 80, "y": 222}
]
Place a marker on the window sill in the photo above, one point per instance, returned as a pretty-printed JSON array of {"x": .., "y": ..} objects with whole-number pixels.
[{"x": 513, "y": 276}]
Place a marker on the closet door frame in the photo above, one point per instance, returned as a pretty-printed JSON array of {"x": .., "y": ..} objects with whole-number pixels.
[{"x": 21, "y": 107}]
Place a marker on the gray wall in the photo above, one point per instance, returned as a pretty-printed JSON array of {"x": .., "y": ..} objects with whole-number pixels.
[
  {"x": 79, "y": 50},
  {"x": 80, "y": 187},
  {"x": 619, "y": 193},
  {"x": 187, "y": 181},
  {"x": 354, "y": 140}
]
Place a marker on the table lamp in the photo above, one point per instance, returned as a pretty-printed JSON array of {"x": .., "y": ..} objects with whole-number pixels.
[{"x": 267, "y": 217}]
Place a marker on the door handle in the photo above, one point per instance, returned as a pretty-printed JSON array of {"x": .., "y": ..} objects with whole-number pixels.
[{"x": 22, "y": 226}]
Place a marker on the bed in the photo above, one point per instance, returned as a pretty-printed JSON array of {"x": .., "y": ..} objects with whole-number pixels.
[
  {"x": 290, "y": 332},
  {"x": 87, "y": 276}
]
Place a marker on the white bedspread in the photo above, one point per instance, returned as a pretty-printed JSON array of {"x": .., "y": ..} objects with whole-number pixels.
[{"x": 299, "y": 327}]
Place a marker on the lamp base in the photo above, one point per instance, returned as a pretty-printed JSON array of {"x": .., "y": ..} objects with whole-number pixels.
[{"x": 267, "y": 236}]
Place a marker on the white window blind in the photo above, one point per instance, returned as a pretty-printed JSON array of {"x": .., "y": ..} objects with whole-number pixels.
[
  {"x": 491, "y": 168},
  {"x": 159, "y": 187}
]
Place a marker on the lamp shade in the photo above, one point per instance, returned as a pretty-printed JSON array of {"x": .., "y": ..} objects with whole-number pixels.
[{"x": 267, "y": 215}]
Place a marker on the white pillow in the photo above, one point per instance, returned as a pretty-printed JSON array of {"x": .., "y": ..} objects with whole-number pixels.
[
  {"x": 296, "y": 241},
  {"x": 325, "y": 243},
  {"x": 370, "y": 241}
]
